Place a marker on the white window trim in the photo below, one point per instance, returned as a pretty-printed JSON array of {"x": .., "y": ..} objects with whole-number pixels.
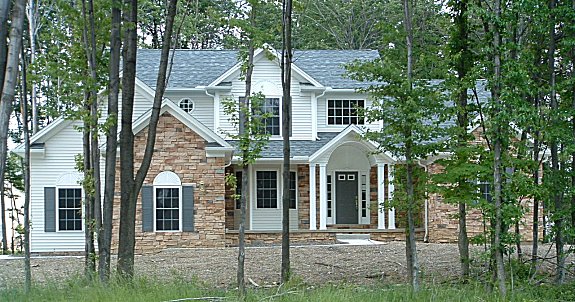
[
  {"x": 191, "y": 102},
  {"x": 278, "y": 187},
  {"x": 179, "y": 208},
  {"x": 327, "y": 124},
  {"x": 57, "y": 207}
]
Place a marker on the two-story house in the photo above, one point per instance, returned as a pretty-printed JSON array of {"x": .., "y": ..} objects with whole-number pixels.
[{"x": 339, "y": 181}]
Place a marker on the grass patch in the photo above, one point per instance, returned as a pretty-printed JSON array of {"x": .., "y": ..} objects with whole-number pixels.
[{"x": 141, "y": 289}]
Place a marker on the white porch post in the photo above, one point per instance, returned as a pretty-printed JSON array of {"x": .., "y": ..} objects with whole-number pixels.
[
  {"x": 322, "y": 196},
  {"x": 391, "y": 187},
  {"x": 380, "y": 196},
  {"x": 312, "y": 198}
]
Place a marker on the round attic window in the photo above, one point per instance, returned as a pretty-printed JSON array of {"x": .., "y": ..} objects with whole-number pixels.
[{"x": 187, "y": 105}]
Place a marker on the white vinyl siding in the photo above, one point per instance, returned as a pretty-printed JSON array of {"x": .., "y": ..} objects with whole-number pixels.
[
  {"x": 141, "y": 104},
  {"x": 60, "y": 150},
  {"x": 203, "y": 106},
  {"x": 269, "y": 72}
]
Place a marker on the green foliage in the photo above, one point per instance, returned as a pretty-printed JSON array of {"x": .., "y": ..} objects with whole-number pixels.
[
  {"x": 200, "y": 24},
  {"x": 14, "y": 174}
]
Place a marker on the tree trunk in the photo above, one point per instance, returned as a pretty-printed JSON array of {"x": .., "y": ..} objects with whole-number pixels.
[
  {"x": 573, "y": 121},
  {"x": 410, "y": 244},
  {"x": 127, "y": 239},
  {"x": 26, "y": 171},
  {"x": 105, "y": 233},
  {"x": 4, "y": 10},
  {"x": 243, "y": 122},
  {"x": 557, "y": 198},
  {"x": 462, "y": 67},
  {"x": 286, "y": 121},
  {"x": 89, "y": 249},
  {"x": 128, "y": 199},
  {"x": 497, "y": 146},
  {"x": 10, "y": 77}
]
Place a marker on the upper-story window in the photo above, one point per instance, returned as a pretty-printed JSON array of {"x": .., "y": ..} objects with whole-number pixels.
[
  {"x": 187, "y": 105},
  {"x": 344, "y": 112},
  {"x": 271, "y": 106}
]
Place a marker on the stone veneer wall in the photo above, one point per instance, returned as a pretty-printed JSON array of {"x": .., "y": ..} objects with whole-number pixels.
[
  {"x": 443, "y": 222},
  {"x": 182, "y": 151},
  {"x": 258, "y": 238}
]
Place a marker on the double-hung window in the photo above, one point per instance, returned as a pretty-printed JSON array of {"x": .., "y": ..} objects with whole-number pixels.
[
  {"x": 344, "y": 112},
  {"x": 167, "y": 209},
  {"x": 267, "y": 189},
  {"x": 485, "y": 191},
  {"x": 267, "y": 195},
  {"x": 271, "y": 108},
  {"x": 69, "y": 209}
]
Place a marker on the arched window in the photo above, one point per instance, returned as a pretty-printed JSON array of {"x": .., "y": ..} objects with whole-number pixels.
[
  {"x": 69, "y": 202},
  {"x": 167, "y": 201},
  {"x": 187, "y": 105}
]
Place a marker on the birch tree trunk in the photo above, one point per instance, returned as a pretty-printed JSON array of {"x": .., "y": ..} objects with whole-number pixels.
[
  {"x": 4, "y": 10},
  {"x": 10, "y": 77}
]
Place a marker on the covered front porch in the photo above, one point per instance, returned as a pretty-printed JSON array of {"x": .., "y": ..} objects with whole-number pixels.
[{"x": 343, "y": 185}]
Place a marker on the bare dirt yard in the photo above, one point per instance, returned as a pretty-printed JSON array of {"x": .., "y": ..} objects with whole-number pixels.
[{"x": 314, "y": 265}]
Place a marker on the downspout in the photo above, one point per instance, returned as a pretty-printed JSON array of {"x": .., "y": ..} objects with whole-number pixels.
[
  {"x": 426, "y": 203},
  {"x": 314, "y": 116}
]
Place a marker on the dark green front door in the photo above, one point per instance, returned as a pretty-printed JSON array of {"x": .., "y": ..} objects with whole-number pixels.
[{"x": 346, "y": 197}]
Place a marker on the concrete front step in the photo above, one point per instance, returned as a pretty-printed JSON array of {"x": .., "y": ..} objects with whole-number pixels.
[{"x": 339, "y": 237}]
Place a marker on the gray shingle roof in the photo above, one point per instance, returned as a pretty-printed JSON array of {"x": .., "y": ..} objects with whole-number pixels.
[
  {"x": 327, "y": 66},
  {"x": 194, "y": 68},
  {"x": 274, "y": 148},
  {"x": 191, "y": 68}
]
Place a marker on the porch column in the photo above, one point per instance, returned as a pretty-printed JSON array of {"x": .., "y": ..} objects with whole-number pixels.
[
  {"x": 323, "y": 196},
  {"x": 380, "y": 196},
  {"x": 312, "y": 198},
  {"x": 391, "y": 187}
]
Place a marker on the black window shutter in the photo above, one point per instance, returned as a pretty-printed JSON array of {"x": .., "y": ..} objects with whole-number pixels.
[
  {"x": 49, "y": 209},
  {"x": 187, "y": 208},
  {"x": 147, "y": 209}
]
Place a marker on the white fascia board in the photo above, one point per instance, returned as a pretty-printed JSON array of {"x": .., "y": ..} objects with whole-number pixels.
[{"x": 219, "y": 151}]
